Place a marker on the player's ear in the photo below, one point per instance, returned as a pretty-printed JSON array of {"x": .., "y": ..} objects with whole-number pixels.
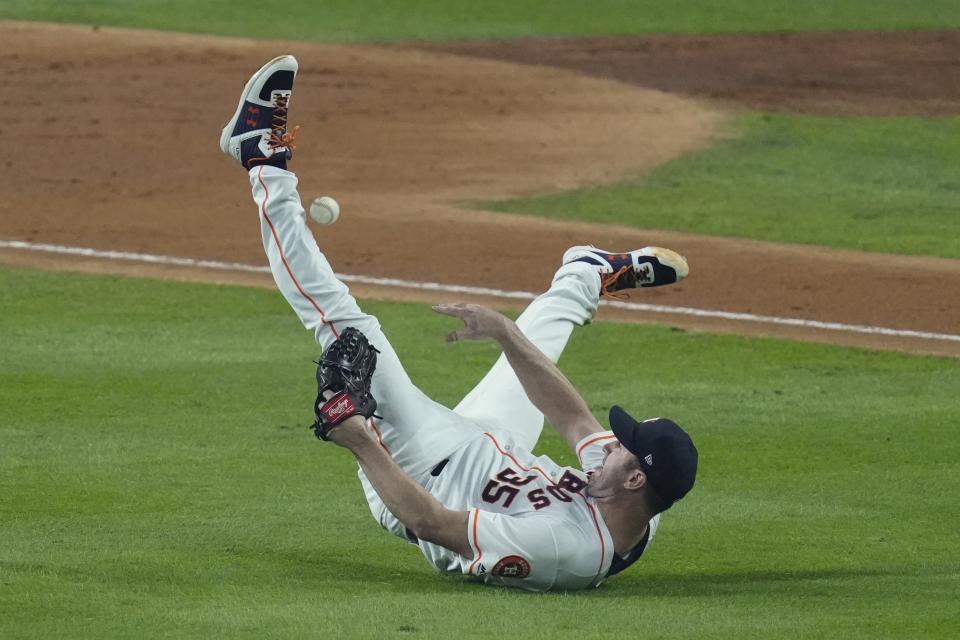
[{"x": 636, "y": 479}]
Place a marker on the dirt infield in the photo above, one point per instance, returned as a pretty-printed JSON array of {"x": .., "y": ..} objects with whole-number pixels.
[
  {"x": 876, "y": 74},
  {"x": 123, "y": 127}
]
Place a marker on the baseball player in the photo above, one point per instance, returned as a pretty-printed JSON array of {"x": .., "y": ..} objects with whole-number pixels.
[{"x": 462, "y": 483}]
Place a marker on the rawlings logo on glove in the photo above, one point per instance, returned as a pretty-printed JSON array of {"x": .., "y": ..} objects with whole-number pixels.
[
  {"x": 337, "y": 406},
  {"x": 345, "y": 369}
]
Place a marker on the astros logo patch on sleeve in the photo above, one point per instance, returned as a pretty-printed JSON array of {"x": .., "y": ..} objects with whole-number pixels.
[{"x": 512, "y": 567}]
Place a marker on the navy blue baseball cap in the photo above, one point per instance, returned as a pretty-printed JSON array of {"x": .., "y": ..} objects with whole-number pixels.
[{"x": 665, "y": 451}]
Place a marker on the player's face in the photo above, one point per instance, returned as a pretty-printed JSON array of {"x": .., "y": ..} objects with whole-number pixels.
[{"x": 618, "y": 464}]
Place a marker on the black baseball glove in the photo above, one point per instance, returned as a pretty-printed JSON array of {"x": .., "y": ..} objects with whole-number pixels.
[{"x": 345, "y": 368}]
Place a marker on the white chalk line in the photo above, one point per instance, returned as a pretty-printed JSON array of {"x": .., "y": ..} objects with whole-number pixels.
[{"x": 482, "y": 291}]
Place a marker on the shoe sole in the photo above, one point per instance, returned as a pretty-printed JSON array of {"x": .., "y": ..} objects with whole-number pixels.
[
  {"x": 225, "y": 135},
  {"x": 669, "y": 258}
]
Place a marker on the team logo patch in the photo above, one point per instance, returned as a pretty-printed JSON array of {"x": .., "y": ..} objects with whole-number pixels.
[{"x": 512, "y": 567}]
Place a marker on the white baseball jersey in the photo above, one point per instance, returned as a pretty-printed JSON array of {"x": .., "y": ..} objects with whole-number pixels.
[{"x": 531, "y": 524}]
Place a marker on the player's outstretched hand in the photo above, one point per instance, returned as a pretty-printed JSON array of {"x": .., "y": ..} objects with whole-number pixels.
[{"x": 479, "y": 321}]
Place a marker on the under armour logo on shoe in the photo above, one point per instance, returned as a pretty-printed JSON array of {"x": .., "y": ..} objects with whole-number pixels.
[
  {"x": 648, "y": 459},
  {"x": 645, "y": 274}
]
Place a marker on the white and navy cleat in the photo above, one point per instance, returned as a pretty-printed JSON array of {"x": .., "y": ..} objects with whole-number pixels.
[
  {"x": 257, "y": 133},
  {"x": 647, "y": 267}
]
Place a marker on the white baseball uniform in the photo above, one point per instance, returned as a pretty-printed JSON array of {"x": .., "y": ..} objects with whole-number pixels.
[{"x": 530, "y": 525}]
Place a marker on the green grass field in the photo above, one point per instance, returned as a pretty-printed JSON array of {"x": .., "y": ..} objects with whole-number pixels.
[
  {"x": 873, "y": 184},
  {"x": 158, "y": 479},
  {"x": 349, "y": 20}
]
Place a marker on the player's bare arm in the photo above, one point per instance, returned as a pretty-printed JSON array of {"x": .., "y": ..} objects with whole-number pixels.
[
  {"x": 408, "y": 501},
  {"x": 545, "y": 385}
]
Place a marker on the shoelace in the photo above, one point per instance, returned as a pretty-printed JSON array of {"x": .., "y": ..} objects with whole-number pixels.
[
  {"x": 611, "y": 280},
  {"x": 279, "y": 136}
]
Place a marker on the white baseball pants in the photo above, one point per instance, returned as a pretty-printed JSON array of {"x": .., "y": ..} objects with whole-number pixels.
[{"x": 418, "y": 432}]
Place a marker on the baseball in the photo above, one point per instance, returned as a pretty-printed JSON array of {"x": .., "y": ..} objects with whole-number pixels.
[{"x": 324, "y": 210}]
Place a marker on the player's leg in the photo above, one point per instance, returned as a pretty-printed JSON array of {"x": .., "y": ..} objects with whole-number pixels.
[
  {"x": 301, "y": 271},
  {"x": 325, "y": 306},
  {"x": 498, "y": 403},
  {"x": 257, "y": 137}
]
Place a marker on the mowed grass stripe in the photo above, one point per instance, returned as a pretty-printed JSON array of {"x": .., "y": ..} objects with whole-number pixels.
[
  {"x": 349, "y": 20},
  {"x": 872, "y": 184},
  {"x": 159, "y": 480}
]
